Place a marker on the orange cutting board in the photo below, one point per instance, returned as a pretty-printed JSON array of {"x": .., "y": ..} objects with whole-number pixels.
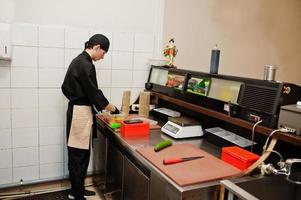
[{"x": 191, "y": 172}]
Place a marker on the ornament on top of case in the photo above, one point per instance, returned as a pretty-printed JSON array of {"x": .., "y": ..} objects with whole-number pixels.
[{"x": 170, "y": 51}]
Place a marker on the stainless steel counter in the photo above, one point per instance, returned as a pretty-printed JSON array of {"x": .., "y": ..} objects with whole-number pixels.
[{"x": 130, "y": 144}]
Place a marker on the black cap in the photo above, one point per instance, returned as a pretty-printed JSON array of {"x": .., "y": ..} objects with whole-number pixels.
[{"x": 100, "y": 39}]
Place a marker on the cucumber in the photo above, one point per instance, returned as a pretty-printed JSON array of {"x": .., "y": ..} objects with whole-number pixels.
[
  {"x": 161, "y": 145},
  {"x": 115, "y": 125}
]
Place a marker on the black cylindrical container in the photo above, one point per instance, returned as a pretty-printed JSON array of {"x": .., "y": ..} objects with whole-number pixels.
[{"x": 214, "y": 60}]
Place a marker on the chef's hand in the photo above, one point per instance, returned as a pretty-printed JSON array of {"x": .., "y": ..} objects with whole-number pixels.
[
  {"x": 116, "y": 111},
  {"x": 112, "y": 109}
]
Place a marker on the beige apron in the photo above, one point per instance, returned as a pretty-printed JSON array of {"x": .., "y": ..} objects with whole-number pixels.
[{"x": 81, "y": 127}]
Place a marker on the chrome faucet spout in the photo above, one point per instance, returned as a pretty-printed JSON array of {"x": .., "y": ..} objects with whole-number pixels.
[
  {"x": 291, "y": 161},
  {"x": 285, "y": 168},
  {"x": 283, "y": 171}
]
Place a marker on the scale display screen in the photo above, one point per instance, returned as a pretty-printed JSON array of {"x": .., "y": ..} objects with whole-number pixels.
[
  {"x": 224, "y": 90},
  {"x": 171, "y": 128}
]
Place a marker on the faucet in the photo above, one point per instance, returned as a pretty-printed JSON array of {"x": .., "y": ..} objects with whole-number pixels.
[
  {"x": 285, "y": 168},
  {"x": 291, "y": 174}
]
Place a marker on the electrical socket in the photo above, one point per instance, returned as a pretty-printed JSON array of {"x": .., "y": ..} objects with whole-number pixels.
[{"x": 286, "y": 129}]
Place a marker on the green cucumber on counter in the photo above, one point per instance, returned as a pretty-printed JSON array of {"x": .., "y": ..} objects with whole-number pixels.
[
  {"x": 115, "y": 125},
  {"x": 161, "y": 145}
]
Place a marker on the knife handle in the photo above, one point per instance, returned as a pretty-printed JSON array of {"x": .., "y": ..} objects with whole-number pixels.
[{"x": 172, "y": 161}]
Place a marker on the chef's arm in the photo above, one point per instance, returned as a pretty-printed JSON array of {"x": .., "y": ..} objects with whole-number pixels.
[{"x": 95, "y": 95}]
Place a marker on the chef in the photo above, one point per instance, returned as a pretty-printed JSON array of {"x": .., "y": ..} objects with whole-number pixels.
[{"x": 85, "y": 99}]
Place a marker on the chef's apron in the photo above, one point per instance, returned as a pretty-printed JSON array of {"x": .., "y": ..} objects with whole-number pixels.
[{"x": 81, "y": 126}]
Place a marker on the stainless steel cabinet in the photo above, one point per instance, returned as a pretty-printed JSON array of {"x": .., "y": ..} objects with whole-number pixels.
[
  {"x": 135, "y": 183},
  {"x": 99, "y": 159},
  {"x": 114, "y": 171}
]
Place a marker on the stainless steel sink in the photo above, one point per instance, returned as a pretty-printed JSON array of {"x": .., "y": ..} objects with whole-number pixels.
[{"x": 274, "y": 188}]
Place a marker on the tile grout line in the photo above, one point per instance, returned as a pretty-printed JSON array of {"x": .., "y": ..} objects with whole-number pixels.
[
  {"x": 11, "y": 129},
  {"x": 38, "y": 93},
  {"x": 63, "y": 143}
]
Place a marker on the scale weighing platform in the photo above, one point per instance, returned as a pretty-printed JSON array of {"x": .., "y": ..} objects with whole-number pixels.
[{"x": 182, "y": 127}]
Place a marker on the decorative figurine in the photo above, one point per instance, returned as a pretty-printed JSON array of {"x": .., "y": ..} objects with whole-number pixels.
[{"x": 170, "y": 51}]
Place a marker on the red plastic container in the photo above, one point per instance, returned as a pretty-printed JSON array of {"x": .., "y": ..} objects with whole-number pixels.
[
  {"x": 136, "y": 129},
  {"x": 238, "y": 157}
]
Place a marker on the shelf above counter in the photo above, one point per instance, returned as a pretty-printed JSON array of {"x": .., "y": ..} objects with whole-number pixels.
[{"x": 293, "y": 139}]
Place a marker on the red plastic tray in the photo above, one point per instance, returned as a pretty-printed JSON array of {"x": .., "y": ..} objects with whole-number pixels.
[
  {"x": 238, "y": 157},
  {"x": 137, "y": 129}
]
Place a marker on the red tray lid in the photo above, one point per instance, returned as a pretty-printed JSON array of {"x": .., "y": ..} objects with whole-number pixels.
[{"x": 240, "y": 153}]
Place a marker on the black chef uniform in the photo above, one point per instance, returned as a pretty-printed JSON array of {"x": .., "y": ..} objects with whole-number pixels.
[{"x": 80, "y": 87}]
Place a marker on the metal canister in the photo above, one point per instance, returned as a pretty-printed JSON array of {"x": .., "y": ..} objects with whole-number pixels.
[
  {"x": 215, "y": 53},
  {"x": 269, "y": 72}
]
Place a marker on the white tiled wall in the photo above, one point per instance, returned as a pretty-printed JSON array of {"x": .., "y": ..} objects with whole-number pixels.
[
  {"x": 24, "y": 56},
  {"x": 51, "y": 57},
  {"x": 25, "y": 156},
  {"x": 50, "y": 78},
  {"x": 6, "y": 138},
  {"x": 51, "y": 36},
  {"x": 6, "y": 175},
  {"x": 4, "y": 98},
  {"x": 24, "y": 77},
  {"x": 25, "y": 34},
  {"x": 25, "y": 137},
  {"x": 51, "y": 135},
  {"x": 51, "y": 154},
  {"x": 123, "y": 41},
  {"x": 144, "y": 43},
  {"x": 141, "y": 60},
  {"x": 32, "y": 106},
  {"x": 5, "y": 118},
  {"x": 51, "y": 170},
  {"x": 76, "y": 37},
  {"x": 24, "y": 98},
  {"x": 122, "y": 60},
  {"x": 24, "y": 118},
  {"x": 28, "y": 173},
  {"x": 6, "y": 157},
  {"x": 54, "y": 94},
  {"x": 122, "y": 78},
  {"x": 4, "y": 77},
  {"x": 140, "y": 77}
]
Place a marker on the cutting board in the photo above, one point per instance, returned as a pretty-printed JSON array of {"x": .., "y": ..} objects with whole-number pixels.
[{"x": 191, "y": 172}]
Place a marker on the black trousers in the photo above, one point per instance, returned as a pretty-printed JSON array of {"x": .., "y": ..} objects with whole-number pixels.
[{"x": 78, "y": 161}]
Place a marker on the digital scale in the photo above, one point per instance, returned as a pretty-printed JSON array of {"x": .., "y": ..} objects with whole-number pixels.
[{"x": 182, "y": 127}]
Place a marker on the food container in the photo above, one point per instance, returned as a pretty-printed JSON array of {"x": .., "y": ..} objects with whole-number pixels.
[
  {"x": 119, "y": 117},
  {"x": 269, "y": 72},
  {"x": 238, "y": 157},
  {"x": 135, "y": 129},
  {"x": 223, "y": 138}
]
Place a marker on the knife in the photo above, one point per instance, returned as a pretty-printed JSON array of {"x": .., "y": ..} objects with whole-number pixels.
[{"x": 178, "y": 160}]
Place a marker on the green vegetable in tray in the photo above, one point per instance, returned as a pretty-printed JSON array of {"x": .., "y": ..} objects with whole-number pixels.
[{"x": 161, "y": 145}]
